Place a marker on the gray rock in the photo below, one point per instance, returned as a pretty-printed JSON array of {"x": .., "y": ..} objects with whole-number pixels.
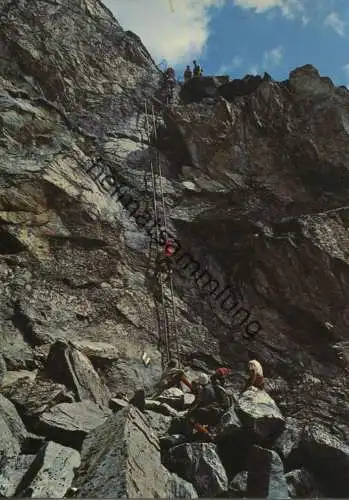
[
  {"x": 229, "y": 425},
  {"x": 117, "y": 404},
  {"x": 179, "y": 488},
  {"x": 200, "y": 464},
  {"x": 288, "y": 443},
  {"x": 238, "y": 485},
  {"x": 71, "y": 367},
  {"x": 158, "y": 423},
  {"x": 97, "y": 352},
  {"x": 259, "y": 412},
  {"x": 33, "y": 397},
  {"x": 12, "y": 429},
  {"x": 69, "y": 423},
  {"x": 266, "y": 476},
  {"x": 3, "y": 369},
  {"x": 121, "y": 458},
  {"x": 12, "y": 473},
  {"x": 331, "y": 456},
  {"x": 302, "y": 484},
  {"x": 51, "y": 473},
  {"x": 173, "y": 397}
]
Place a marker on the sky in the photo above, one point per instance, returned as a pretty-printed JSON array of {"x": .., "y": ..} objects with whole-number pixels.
[{"x": 239, "y": 37}]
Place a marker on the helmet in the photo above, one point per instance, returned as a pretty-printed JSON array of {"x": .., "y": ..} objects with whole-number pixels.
[{"x": 203, "y": 379}]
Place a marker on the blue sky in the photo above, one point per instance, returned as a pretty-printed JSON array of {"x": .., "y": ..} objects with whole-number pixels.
[{"x": 237, "y": 37}]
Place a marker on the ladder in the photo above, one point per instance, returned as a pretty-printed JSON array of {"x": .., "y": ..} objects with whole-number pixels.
[{"x": 168, "y": 333}]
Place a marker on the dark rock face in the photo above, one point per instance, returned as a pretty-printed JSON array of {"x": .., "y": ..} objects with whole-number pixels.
[
  {"x": 266, "y": 477},
  {"x": 255, "y": 180},
  {"x": 125, "y": 445}
]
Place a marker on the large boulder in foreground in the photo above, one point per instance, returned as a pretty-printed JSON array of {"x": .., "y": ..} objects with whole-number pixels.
[
  {"x": 69, "y": 423},
  {"x": 121, "y": 459},
  {"x": 200, "y": 464},
  {"x": 12, "y": 472},
  {"x": 302, "y": 484},
  {"x": 68, "y": 365},
  {"x": 259, "y": 412},
  {"x": 12, "y": 430},
  {"x": 266, "y": 478},
  {"x": 51, "y": 473},
  {"x": 328, "y": 456}
]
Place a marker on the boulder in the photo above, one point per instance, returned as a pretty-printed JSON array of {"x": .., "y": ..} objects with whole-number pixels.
[
  {"x": 174, "y": 397},
  {"x": 69, "y": 423},
  {"x": 229, "y": 425},
  {"x": 259, "y": 412},
  {"x": 12, "y": 473},
  {"x": 266, "y": 476},
  {"x": 163, "y": 408},
  {"x": 33, "y": 397},
  {"x": 288, "y": 443},
  {"x": 12, "y": 430},
  {"x": 32, "y": 444},
  {"x": 69, "y": 366},
  {"x": 121, "y": 458},
  {"x": 160, "y": 424},
  {"x": 328, "y": 457},
  {"x": 99, "y": 353},
  {"x": 51, "y": 473},
  {"x": 117, "y": 404},
  {"x": 238, "y": 485},
  {"x": 12, "y": 376},
  {"x": 302, "y": 484},
  {"x": 199, "y": 464}
]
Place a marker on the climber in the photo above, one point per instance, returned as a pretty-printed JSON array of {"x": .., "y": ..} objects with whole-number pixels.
[
  {"x": 164, "y": 261},
  {"x": 220, "y": 375},
  {"x": 206, "y": 408},
  {"x": 172, "y": 376},
  {"x": 169, "y": 82},
  {"x": 188, "y": 74},
  {"x": 222, "y": 397},
  {"x": 256, "y": 378},
  {"x": 197, "y": 71}
]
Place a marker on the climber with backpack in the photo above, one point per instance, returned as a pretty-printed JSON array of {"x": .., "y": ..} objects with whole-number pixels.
[
  {"x": 209, "y": 405},
  {"x": 172, "y": 376}
]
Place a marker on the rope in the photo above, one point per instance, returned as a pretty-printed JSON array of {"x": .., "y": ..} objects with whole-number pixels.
[
  {"x": 175, "y": 333},
  {"x": 174, "y": 322},
  {"x": 166, "y": 329},
  {"x": 160, "y": 173}
]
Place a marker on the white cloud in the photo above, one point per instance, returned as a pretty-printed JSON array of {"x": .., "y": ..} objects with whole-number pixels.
[
  {"x": 289, "y": 8},
  {"x": 236, "y": 62},
  {"x": 273, "y": 57},
  {"x": 177, "y": 35},
  {"x": 345, "y": 68},
  {"x": 333, "y": 21}
]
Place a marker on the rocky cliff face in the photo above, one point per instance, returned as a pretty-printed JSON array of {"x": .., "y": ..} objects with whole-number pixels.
[{"x": 256, "y": 183}]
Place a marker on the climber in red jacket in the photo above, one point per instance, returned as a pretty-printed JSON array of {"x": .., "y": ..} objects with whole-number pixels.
[{"x": 165, "y": 259}]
